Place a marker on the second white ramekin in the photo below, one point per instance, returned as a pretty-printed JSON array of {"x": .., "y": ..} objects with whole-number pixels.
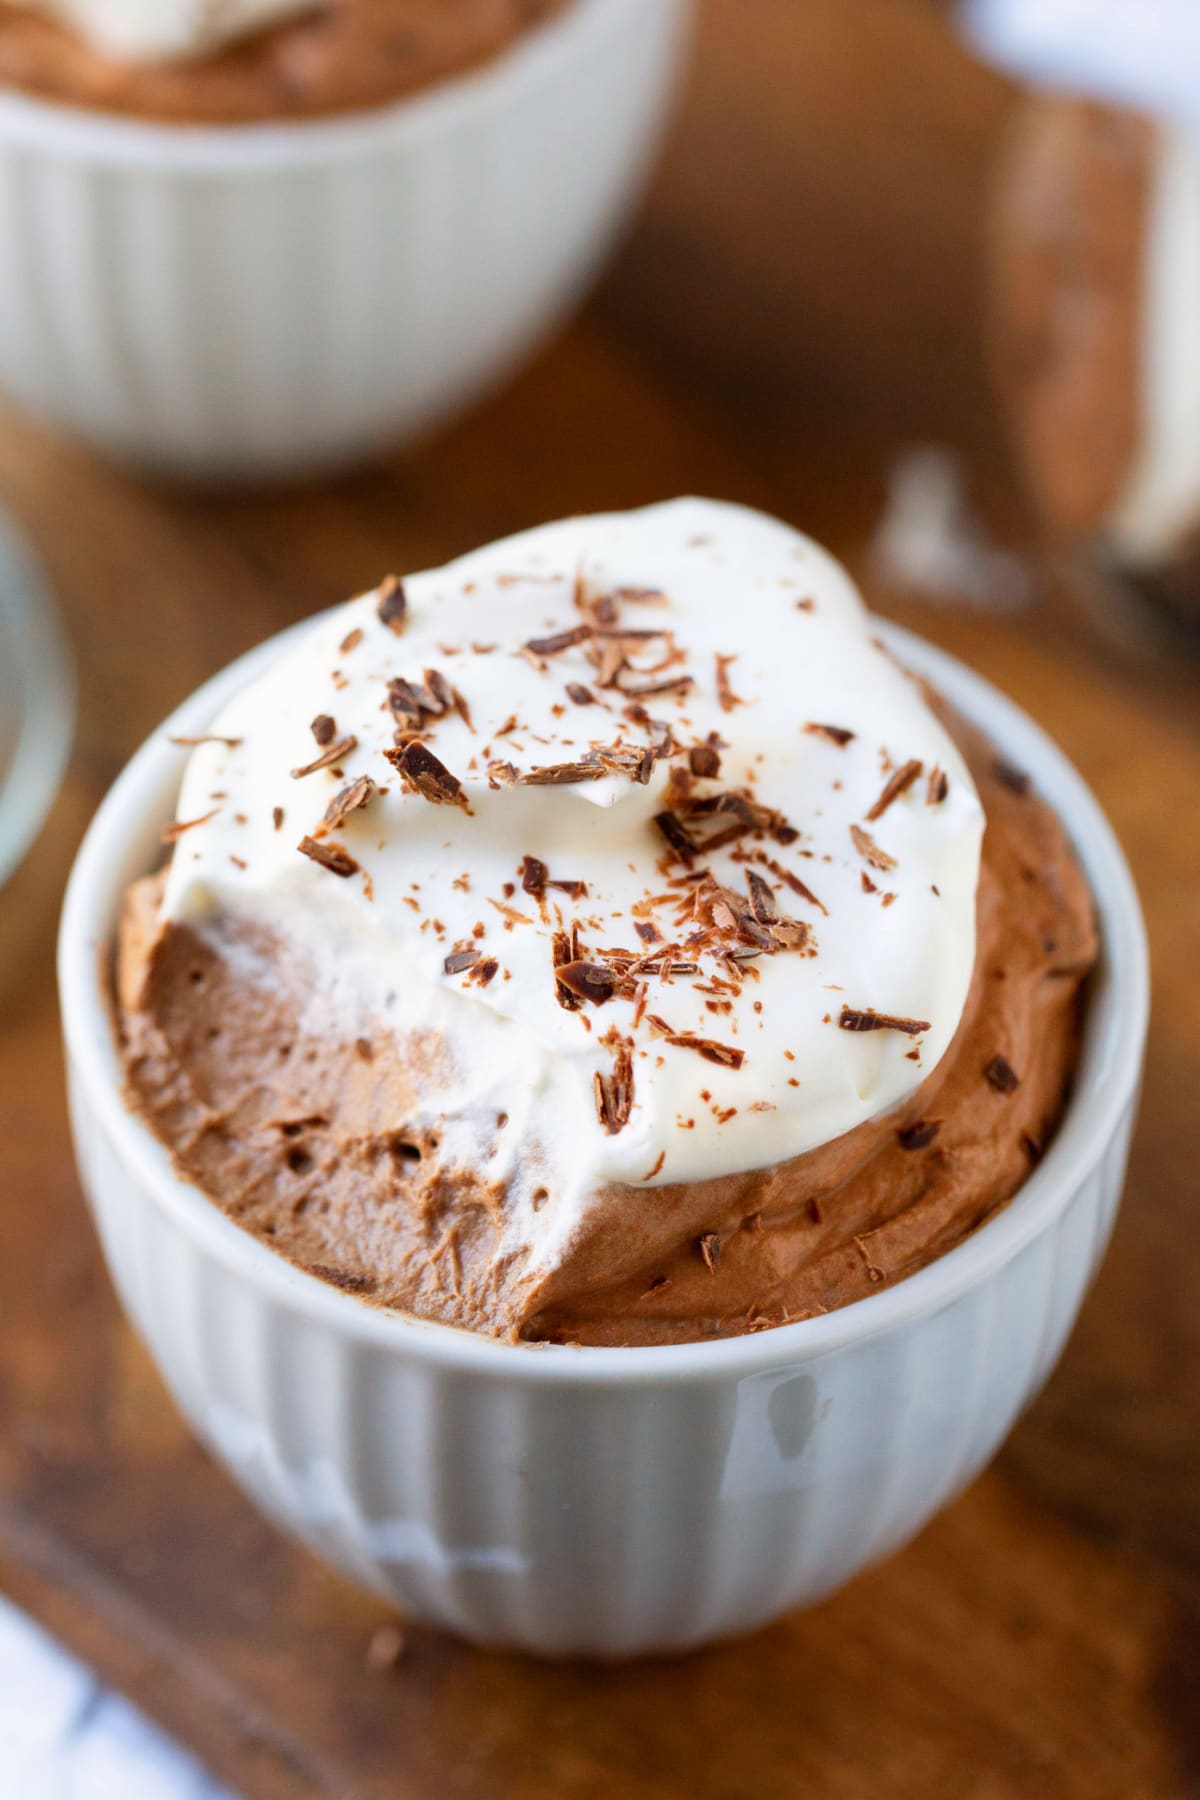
[
  {"x": 250, "y": 301},
  {"x": 586, "y": 1500}
]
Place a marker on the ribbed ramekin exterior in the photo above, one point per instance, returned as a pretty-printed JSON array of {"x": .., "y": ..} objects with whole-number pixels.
[
  {"x": 605, "y": 1502},
  {"x": 336, "y": 285},
  {"x": 604, "y": 1518}
]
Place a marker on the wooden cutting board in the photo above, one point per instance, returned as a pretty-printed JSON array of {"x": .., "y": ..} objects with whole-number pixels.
[{"x": 799, "y": 295}]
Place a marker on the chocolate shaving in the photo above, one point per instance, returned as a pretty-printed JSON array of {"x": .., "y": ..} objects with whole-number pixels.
[
  {"x": 656, "y": 962},
  {"x": 330, "y": 856},
  {"x": 534, "y": 876},
  {"x": 440, "y": 691},
  {"x": 408, "y": 703},
  {"x": 535, "y": 879},
  {"x": 762, "y": 900},
  {"x": 427, "y": 775},
  {"x": 602, "y": 609},
  {"x": 562, "y": 952},
  {"x": 869, "y": 850},
  {"x": 627, "y": 635},
  {"x": 627, "y": 759},
  {"x": 175, "y": 830},
  {"x": 324, "y": 729},
  {"x": 483, "y": 972},
  {"x": 918, "y": 1136},
  {"x": 582, "y": 696},
  {"x": 608, "y": 659},
  {"x": 392, "y": 606},
  {"x": 677, "y": 836},
  {"x": 899, "y": 784},
  {"x": 792, "y": 934},
  {"x": 704, "y": 761},
  {"x": 511, "y": 915},
  {"x": 327, "y": 759},
  {"x": 587, "y": 981},
  {"x": 1001, "y": 1075},
  {"x": 709, "y": 1246},
  {"x": 605, "y": 759},
  {"x": 745, "y": 814},
  {"x": 561, "y": 640},
  {"x": 835, "y": 734},
  {"x": 938, "y": 787},
  {"x": 357, "y": 794},
  {"x": 794, "y": 882},
  {"x": 563, "y": 774},
  {"x": 725, "y": 694},
  {"x": 724, "y": 1054},
  {"x": 678, "y": 683},
  {"x": 852, "y": 1019},
  {"x": 412, "y": 706},
  {"x": 458, "y": 960},
  {"x": 614, "y": 1093},
  {"x": 277, "y": 817},
  {"x": 351, "y": 641},
  {"x": 461, "y": 708}
]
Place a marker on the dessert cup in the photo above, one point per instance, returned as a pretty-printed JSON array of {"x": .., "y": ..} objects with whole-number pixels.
[
  {"x": 267, "y": 300},
  {"x": 600, "y": 1501},
  {"x": 37, "y": 697}
]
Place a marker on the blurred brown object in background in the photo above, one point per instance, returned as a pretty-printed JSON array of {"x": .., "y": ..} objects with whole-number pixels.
[
  {"x": 1064, "y": 305},
  {"x": 1093, "y": 333}
]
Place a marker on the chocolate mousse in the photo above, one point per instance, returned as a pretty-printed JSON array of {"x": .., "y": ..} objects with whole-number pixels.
[
  {"x": 1069, "y": 248},
  {"x": 245, "y": 61},
  {"x": 603, "y": 940},
  {"x": 1095, "y": 290}
]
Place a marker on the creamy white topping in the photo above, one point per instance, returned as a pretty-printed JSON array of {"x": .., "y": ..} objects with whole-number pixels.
[
  {"x": 1161, "y": 504},
  {"x": 140, "y": 30},
  {"x": 766, "y": 638}
]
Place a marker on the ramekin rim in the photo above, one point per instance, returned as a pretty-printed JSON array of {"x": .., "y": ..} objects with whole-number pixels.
[
  {"x": 1114, "y": 1038},
  {"x": 90, "y": 134}
]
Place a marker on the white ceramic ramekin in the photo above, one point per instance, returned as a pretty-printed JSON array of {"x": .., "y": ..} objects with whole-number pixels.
[
  {"x": 266, "y": 300},
  {"x": 590, "y": 1500}
]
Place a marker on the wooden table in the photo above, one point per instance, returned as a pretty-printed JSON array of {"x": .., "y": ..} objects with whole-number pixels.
[{"x": 800, "y": 294}]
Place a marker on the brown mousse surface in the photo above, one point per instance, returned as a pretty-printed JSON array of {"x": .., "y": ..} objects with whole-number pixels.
[
  {"x": 341, "y": 56},
  {"x": 304, "y": 1143}
]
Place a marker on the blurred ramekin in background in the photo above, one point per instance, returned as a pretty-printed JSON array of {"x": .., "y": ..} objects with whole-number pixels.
[
  {"x": 601, "y": 1501},
  {"x": 268, "y": 300}
]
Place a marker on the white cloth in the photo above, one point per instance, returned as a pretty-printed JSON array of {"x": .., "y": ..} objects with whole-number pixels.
[{"x": 64, "y": 1737}]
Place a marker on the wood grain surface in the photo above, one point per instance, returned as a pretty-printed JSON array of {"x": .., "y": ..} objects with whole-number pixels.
[{"x": 801, "y": 294}]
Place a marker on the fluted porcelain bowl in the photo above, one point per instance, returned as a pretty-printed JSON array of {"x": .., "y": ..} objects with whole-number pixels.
[
  {"x": 266, "y": 300},
  {"x": 602, "y": 1501}
]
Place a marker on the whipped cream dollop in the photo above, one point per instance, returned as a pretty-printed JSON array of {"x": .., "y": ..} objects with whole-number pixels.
[
  {"x": 628, "y": 824},
  {"x": 148, "y": 30}
]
